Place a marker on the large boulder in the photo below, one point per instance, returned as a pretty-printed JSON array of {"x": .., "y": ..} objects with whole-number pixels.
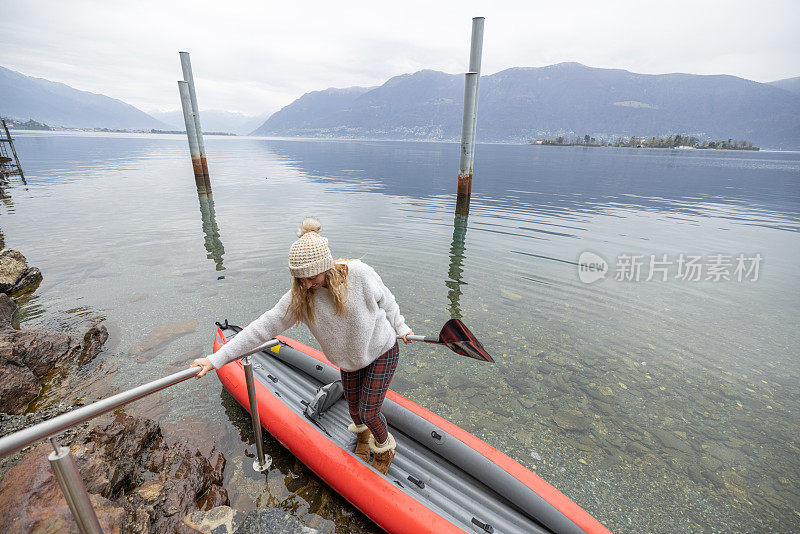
[
  {"x": 18, "y": 385},
  {"x": 15, "y": 275},
  {"x": 13, "y": 266},
  {"x": 39, "y": 350}
]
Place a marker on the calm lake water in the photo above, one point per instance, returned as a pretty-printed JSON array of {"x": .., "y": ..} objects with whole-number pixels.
[{"x": 657, "y": 405}]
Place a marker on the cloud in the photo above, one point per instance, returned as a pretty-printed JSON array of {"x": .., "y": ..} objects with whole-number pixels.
[{"x": 257, "y": 56}]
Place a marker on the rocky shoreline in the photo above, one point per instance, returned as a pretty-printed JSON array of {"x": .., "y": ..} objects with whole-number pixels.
[
  {"x": 28, "y": 356},
  {"x": 139, "y": 481}
]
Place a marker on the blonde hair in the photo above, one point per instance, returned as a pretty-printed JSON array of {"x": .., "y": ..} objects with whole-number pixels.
[{"x": 302, "y": 305}]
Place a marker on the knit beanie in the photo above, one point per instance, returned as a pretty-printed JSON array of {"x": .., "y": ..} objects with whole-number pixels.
[{"x": 310, "y": 254}]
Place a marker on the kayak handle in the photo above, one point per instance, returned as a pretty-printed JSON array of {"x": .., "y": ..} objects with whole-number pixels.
[{"x": 265, "y": 346}]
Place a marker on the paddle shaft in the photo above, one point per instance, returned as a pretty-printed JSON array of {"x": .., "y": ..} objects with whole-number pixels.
[{"x": 426, "y": 339}]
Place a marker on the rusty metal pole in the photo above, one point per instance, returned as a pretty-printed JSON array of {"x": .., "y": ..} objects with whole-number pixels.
[
  {"x": 186, "y": 67},
  {"x": 191, "y": 134},
  {"x": 470, "y": 118},
  {"x": 467, "y": 144}
]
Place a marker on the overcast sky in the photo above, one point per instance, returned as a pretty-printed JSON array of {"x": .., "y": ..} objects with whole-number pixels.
[{"x": 255, "y": 57}]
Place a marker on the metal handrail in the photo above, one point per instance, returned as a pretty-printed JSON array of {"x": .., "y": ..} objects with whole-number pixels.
[
  {"x": 62, "y": 462},
  {"x": 22, "y": 438}
]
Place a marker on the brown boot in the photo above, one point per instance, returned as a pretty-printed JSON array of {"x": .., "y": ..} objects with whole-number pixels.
[
  {"x": 362, "y": 445},
  {"x": 382, "y": 454}
]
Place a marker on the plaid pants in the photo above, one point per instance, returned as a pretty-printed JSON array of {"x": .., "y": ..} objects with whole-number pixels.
[{"x": 365, "y": 390}]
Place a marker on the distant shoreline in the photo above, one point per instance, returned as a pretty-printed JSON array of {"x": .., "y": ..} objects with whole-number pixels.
[
  {"x": 675, "y": 142},
  {"x": 510, "y": 142},
  {"x": 32, "y": 125}
]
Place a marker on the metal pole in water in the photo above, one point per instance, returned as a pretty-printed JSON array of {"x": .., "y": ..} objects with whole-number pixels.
[
  {"x": 467, "y": 142},
  {"x": 470, "y": 118},
  {"x": 260, "y": 463},
  {"x": 191, "y": 134},
  {"x": 186, "y": 67},
  {"x": 69, "y": 479},
  {"x": 475, "y": 56}
]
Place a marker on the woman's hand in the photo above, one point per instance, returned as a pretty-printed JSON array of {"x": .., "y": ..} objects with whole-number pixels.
[
  {"x": 405, "y": 339},
  {"x": 204, "y": 363}
]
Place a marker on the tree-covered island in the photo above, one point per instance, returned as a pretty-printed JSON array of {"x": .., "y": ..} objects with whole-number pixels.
[{"x": 673, "y": 141}]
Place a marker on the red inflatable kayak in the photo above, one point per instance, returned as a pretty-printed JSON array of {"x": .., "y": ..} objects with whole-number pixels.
[{"x": 443, "y": 479}]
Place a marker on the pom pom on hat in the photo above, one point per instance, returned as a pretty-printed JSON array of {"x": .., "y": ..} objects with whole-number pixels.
[
  {"x": 309, "y": 225},
  {"x": 310, "y": 254}
]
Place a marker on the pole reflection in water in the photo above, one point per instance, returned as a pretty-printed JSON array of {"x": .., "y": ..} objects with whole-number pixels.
[
  {"x": 457, "y": 249},
  {"x": 213, "y": 243}
]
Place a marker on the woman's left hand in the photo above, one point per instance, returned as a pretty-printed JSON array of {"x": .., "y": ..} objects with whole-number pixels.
[{"x": 405, "y": 339}]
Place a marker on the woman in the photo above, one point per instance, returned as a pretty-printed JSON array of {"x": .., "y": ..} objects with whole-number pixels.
[{"x": 355, "y": 319}]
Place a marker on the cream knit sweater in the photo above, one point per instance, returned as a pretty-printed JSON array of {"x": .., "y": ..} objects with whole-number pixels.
[{"x": 350, "y": 342}]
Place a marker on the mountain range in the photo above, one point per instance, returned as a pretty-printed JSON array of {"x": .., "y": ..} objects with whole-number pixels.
[
  {"x": 565, "y": 99},
  {"x": 57, "y": 104},
  {"x": 790, "y": 84},
  {"x": 515, "y": 105}
]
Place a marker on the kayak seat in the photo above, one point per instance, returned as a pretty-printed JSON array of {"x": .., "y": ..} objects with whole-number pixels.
[{"x": 325, "y": 397}]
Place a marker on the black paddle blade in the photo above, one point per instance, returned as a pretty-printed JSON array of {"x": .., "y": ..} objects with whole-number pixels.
[{"x": 460, "y": 340}]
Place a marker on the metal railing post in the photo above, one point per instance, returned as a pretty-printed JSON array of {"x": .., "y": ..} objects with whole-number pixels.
[
  {"x": 69, "y": 478},
  {"x": 260, "y": 464}
]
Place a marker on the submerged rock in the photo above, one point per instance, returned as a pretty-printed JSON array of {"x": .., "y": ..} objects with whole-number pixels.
[
  {"x": 218, "y": 520},
  {"x": 27, "y": 356},
  {"x": 164, "y": 334},
  {"x": 273, "y": 521},
  {"x": 93, "y": 341},
  {"x": 671, "y": 440},
  {"x": 510, "y": 295},
  {"x": 568, "y": 419},
  {"x": 138, "y": 296}
]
